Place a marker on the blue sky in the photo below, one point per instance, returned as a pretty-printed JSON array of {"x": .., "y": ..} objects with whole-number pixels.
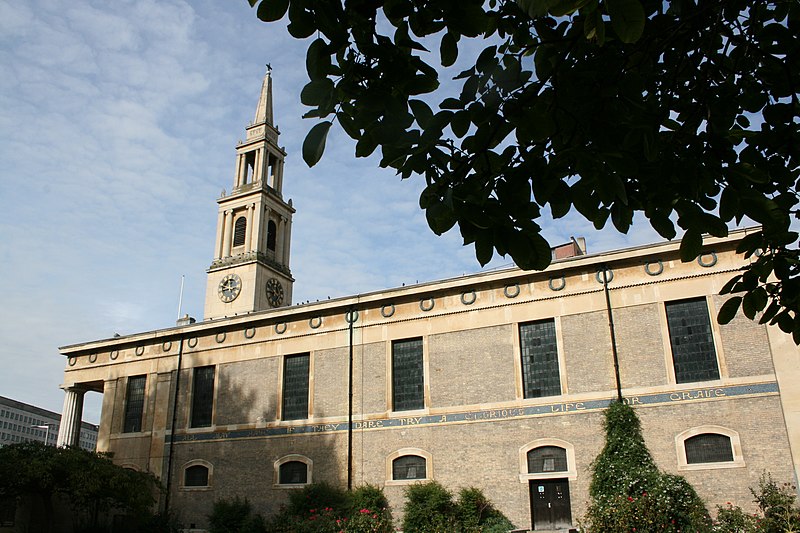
[{"x": 118, "y": 127}]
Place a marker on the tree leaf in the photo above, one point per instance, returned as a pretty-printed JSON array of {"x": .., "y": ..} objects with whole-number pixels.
[
  {"x": 314, "y": 144},
  {"x": 691, "y": 245},
  {"x": 271, "y": 10},
  {"x": 729, "y": 309},
  {"x": 448, "y": 49},
  {"x": 627, "y": 19}
]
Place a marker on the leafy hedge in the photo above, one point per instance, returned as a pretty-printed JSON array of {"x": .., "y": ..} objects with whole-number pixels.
[
  {"x": 629, "y": 493},
  {"x": 430, "y": 508},
  {"x": 323, "y": 508}
]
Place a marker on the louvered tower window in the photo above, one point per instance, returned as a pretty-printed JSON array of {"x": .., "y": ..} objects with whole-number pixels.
[{"x": 239, "y": 231}]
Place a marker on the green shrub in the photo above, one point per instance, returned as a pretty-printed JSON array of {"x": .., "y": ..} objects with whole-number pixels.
[
  {"x": 732, "y": 519},
  {"x": 321, "y": 508},
  {"x": 629, "y": 493},
  {"x": 368, "y": 497},
  {"x": 429, "y": 508},
  {"x": 475, "y": 513},
  {"x": 777, "y": 503},
  {"x": 318, "y": 496},
  {"x": 234, "y": 516}
]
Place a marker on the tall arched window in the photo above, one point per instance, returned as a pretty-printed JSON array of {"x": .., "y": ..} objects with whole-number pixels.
[
  {"x": 272, "y": 235},
  {"x": 239, "y": 231}
]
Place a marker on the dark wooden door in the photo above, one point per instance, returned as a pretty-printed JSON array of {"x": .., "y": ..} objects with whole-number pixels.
[{"x": 550, "y": 507}]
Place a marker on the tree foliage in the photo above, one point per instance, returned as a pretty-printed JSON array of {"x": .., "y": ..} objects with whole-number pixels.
[
  {"x": 629, "y": 493},
  {"x": 90, "y": 482},
  {"x": 685, "y": 111}
]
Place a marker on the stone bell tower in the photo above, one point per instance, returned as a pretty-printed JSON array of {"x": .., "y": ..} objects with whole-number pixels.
[{"x": 250, "y": 271}]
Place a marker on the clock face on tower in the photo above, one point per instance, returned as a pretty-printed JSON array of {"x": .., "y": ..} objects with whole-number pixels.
[
  {"x": 274, "y": 292},
  {"x": 229, "y": 288}
]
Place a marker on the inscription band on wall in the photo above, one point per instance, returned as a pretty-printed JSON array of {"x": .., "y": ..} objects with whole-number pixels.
[{"x": 487, "y": 415}]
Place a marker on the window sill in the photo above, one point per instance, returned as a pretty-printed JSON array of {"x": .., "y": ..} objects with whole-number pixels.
[{"x": 401, "y": 482}]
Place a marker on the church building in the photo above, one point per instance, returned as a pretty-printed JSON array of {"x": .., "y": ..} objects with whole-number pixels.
[{"x": 496, "y": 380}]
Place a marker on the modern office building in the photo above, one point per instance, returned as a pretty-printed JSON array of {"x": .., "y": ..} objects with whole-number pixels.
[
  {"x": 21, "y": 422},
  {"x": 496, "y": 380}
]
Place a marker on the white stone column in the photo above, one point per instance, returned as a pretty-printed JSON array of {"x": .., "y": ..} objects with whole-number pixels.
[
  {"x": 240, "y": 171},
  {"x": 257, "y": 166},
  {"x": 226, "y": 242},
  {"x": 255, "y": 222},
  {"x": 220, "y": 229},
  {"x": 248, "y": 229},
  {"x": 280, "y": 239},
  {"x": 69, "y": 432},
  {"x": 287, "y": 241}
]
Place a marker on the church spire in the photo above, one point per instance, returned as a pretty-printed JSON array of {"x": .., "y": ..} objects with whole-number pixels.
[{"x": 264, "y": 108}]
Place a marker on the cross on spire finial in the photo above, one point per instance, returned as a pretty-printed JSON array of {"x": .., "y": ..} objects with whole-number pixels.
[{"x": 269, "y": 67}]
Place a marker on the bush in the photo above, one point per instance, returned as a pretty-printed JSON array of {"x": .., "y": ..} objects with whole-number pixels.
[
  {"x": 234, "y": 516},
  {"x": 476, "y": 513},
  {"x": 430, "y": 509},
  {"x": 777, "y": 503},
  {"x": 318, "y": 496},
  {"x": 322, "y": 508},
  {"x": 732, "y": 519},
  {"x": 629, "y": 493}
]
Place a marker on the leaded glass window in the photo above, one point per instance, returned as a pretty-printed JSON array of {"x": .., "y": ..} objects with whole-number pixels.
[
  {"x": 409, "y": 467},
  {"x": 547, "y": 459},
  {"x": 408, "y": 377},
  {"x": 295, "y": 387},
  {"x": 195, "y": 476},
  {"x": 239, "y": 231},
  {"x": 693, "y": 352},
  {"x": 134, "y": 404},
  {"x": 540, "y": 374},
  {"x": 708, "y": 448},
  {"x": 293, "y": 472},
  {"x": 202, "y": 396}
]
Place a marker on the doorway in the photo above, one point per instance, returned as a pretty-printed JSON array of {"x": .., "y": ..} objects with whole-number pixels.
[{"x": 550, "y": 507}]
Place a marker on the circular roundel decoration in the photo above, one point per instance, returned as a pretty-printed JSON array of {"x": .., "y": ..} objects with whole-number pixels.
[
  {"x": 229, "y": 288},
  {"x": 274, "y": 292},
  {"x": 654, "y": 268}
]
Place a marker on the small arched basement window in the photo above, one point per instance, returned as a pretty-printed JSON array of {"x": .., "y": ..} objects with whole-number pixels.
[
  {"x": 195, "y": 476},
  {"x": 547, "y": 459},
  {"x": 409, "y": 467},
  {"x": 239, "y": 231},
  {"x": 293, "y": 473},
  {"x": 708, "y": 448}
]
